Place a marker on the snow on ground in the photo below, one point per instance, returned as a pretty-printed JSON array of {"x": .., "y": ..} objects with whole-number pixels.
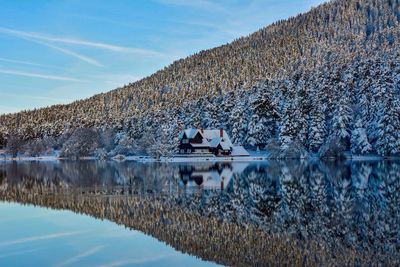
[
  {"x": 146, "y": 159},
  {"x": 372, "y": 158},
  {"x": 23, "y": 158},
  {"x": 253, "y": 156}
]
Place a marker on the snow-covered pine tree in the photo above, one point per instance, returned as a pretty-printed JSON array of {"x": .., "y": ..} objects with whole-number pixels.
[
  {"x": 303, "y": 108},
  {"x": 359, "y": 140},
  {"x": 342, "y": 119},
  {"x": 287, "y": 127},
  {"x": 377, "y": 102},
  {"x": 262, "y": 124},
  {"x": 292, "y": 125},
  {"x": 239, "y": 120},
  {"x": 317, "y": 128},
  {"x": 396, "y": 75},
  {"x": 210, "y": 114},
  {"x": 388, "y": 142},
  {"x": 365, "y": 98},
  {"x": 256, "y": 131},
  {"x": 225, "y": 107}
]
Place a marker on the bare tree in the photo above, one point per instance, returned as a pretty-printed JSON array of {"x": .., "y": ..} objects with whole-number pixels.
[
  {"x": 35, "y": 147},
  {"x": 14, "y": 145},
  {"x": 107, "y": 138},
  {"x": 2, "y": 140},
  {"x": 157, "y": 144},
  {"x": 82, "y": 143},
  {"x": 126, "y": 146}
]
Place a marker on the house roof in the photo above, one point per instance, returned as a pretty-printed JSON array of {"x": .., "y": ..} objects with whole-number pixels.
[
  {"x": 211, "y": 138},
  {"x": 239, "y": 151},
  {"x": 190, "y": 133},
  {"x": 211, "y": 134},
  {"x": 214, "y": 142},
  {"x": 226, "y": 145}
]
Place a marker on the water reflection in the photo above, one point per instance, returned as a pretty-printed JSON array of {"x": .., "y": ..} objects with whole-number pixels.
[
  {"x": 209, "y": 175},
  {"x": 35, "y": 236},
  {"x": 283, "y": 211}
]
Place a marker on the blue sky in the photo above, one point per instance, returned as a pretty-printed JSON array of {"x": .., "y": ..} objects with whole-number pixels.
[{"x": 58, "y": 51}]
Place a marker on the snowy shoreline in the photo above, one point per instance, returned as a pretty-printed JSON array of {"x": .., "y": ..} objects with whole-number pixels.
[
  {"x": 143, "y": 159},
  {"x": 147, "y": 159}
]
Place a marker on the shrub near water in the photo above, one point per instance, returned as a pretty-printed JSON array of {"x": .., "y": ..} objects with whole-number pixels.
[{"x": 82, "y": 143}]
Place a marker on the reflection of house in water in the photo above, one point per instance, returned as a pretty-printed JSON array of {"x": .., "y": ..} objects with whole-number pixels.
[{"x": 209, "y": 175}]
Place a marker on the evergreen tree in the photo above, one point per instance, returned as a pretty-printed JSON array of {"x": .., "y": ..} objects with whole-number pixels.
[
  {"x": 359, "y": 140},
  {"x": 317, "y": 129},
  {"x": 262, "y": 124},
  {"x": 341, "y": 120},
  {"x": 388, "y": 142},
  {"x": 292, "y": 125},
  {"x": 239, "y": 121}
]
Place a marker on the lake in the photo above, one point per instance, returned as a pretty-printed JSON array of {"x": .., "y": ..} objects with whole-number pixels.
[{"x": 106, "y": 213}]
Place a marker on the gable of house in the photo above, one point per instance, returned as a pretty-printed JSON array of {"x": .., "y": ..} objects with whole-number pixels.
[{"x": 197, "y": 139}]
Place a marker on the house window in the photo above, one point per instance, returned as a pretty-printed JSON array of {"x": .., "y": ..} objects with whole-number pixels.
[
  {"x": 182, "y": 151},
  {"x": 188, "y": 151},
  {"x": 185, "y": 141}
]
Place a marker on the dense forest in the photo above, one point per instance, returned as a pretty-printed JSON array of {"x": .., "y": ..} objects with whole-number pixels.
[{"x": 326, "y": 82}]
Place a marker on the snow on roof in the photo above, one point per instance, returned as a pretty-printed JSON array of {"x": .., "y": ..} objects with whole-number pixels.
[
  {"x": 211, "y": 138},
  {"x": 211, "y": 134},
  {"x": 239, "y": 151},
  {"x": 190, "y": 133},
  {"x": 226, "y": 145},
  {"x": 214, "y": 142},
  {"x": 215, "y": 138}
]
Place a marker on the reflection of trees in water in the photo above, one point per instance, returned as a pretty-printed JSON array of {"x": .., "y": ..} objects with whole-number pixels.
[
  {"x": 2, "y": 176},
  {"x": 90, "y": 174},
  {"x": 206, "y": 237},
  {"x": 325, "y": 208},
  {"x": 356, "y": 204}
]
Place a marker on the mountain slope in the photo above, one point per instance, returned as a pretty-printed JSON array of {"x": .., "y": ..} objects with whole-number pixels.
[{"x": 333, "y": 37}]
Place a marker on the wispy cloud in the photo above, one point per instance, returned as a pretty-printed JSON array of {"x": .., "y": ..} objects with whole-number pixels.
[
  {"x": 79, "y": 42},
  {"x": 80, "y": 256},
  {"x": 81, "y": 57},
  {"x": 38, "y": 238},
  {"x": 38, "y": 75},
  {"x": 20, "y": 62}
]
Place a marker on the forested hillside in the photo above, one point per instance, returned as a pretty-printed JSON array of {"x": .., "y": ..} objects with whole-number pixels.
[{"x": 325, "y": 82}]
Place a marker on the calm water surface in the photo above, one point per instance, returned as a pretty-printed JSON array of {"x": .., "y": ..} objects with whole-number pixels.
[
  {"x": 91, "y": 213},
  {"x": 32, "y": 236}
]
